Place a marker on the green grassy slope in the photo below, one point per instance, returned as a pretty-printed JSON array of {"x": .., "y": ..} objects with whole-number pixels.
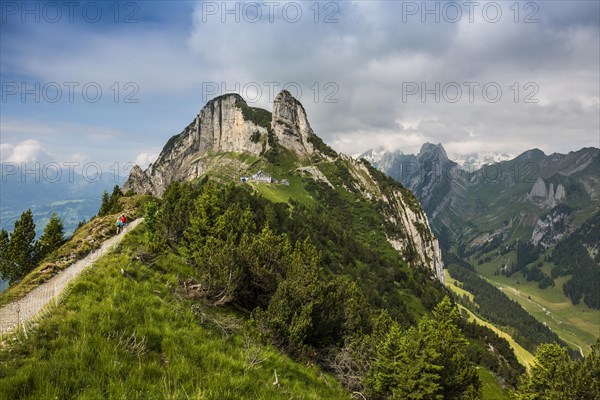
[
  {"x": 491, "y": 389},
  {"x": 577, "y": 325},
  {"x": 125, "y": 330},
  {"x": 524, "y": 356}
]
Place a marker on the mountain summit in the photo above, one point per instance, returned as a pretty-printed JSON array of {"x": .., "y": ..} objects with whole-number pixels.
[
  {"x": 233, "y": 142},
  {"x": 290, "y": 125},
  {"x": 226, "y": 124}
]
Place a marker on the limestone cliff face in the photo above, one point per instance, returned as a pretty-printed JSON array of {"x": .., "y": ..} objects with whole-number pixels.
[
  {"x": 418, "y": 237},
  {"x": 407, "y": 229},
  {"x": 290, "y": 125},
  {"x": 546, "y": 196},
  {"x": 220, "y": 127},
  {"x": 228, "y": 125}
]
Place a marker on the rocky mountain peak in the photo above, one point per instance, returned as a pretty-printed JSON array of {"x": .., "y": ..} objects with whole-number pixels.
[
  {"x": 226, "y": 97},
  {"x": 220, "y": 126},
  {"x": 433, "y": 152},
  {"x": 531, "y": 155},
  {"x": 226, "y": 124},
  {"x": 290, "y": 124},
  {"x": 546, "y": 196}
]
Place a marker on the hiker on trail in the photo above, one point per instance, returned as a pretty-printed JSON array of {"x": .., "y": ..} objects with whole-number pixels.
[
  {"x": 119, "y": 224},
  {"x": 123, "y": 220}
]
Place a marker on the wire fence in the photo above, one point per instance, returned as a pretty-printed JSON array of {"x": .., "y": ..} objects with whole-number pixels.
[{"x": 22, "y": 313}]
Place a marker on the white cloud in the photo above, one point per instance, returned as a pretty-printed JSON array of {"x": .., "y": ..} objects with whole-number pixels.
[
  {"x": 65, "y": 142},
  {"x": 145, "y": 159},
  {"x": 369, "y": 54},
  {"x": 27, "y": 151}
]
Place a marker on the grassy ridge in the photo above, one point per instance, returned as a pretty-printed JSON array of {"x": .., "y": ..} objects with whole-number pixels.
[
  {"x": 126, "y": 331},
  {"x": 84, "y": 240}
]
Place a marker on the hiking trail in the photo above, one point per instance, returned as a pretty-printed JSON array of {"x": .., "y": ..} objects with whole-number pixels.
[{"x": 23, "y": 311}]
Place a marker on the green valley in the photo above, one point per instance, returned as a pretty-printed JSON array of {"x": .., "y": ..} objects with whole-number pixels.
[{"x": 529, "y": 226}]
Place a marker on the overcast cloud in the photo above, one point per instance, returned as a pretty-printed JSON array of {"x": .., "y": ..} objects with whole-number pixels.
[{"x": 370, "y": 62}]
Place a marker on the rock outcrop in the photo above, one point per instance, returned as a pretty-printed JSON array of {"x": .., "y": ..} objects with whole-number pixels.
[
  {"x": 290, "y": 125},
  {"x": 538, "y": 189},
  {"x": 546, "y": 196},
  {"x": 552, "y": 226},
  {"x": 409, "y": 231},
  {"x": 225, "y": 124},
  {"x": 418, "y": 236},
  {"x": 219, "y": 127}
]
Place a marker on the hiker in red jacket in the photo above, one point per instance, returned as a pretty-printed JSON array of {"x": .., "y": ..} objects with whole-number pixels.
[{"x": 121, "y": 223}]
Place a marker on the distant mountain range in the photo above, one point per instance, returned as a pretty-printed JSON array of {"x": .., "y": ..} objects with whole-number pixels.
[
  {"x": 468, "y": 162},
  {"x": 513, "y": 213},
  {"x": 73, "y": 197},
  {"x": 474, "y": 161}
]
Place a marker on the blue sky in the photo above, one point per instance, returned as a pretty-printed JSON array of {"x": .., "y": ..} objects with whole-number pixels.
[{"x": 371, "y": 73}]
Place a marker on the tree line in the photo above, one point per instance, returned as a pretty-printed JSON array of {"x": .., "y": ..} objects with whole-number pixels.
[
  {"x": 556, "y": 376},
  {"x": 579, "y": 255},
  {"x": 20, "y": 252}
]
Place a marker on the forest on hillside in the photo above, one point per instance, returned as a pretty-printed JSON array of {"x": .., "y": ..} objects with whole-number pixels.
[{"x": 307, "y": 287}]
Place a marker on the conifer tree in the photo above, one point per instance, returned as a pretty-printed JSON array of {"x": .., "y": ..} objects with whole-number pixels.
[
  {"x": 21, "y": 251},
  {"x": 53, "y": 236},
  {"x": 114, "y": 200},
  {"x": 458, "y": 376},
  {"x": 552, "y": 377},
  {"x": 588, "y": 376},
  {"x": 150, "y": 220},
  {"x": 105, "y": 205},
  {"x": 426, "y": 362},
  {"x": 4, "y": 264},
  {"x": 404, "y": 368}
]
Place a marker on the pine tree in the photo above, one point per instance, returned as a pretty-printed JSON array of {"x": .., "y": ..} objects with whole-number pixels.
[
  {"x": 21, "y": 252},
  {"x": 53, "y": 236},
  {"x": 105, "y": 205},
  {"x": 588, "y": 375},
  {"x": 151, "y": 222},
  {"x": 552, "y": 377},
  {"x": 459, "y": 377},
  {"x": 114, "y": 206},
  {"x": 4, "y": 264},
  {"x": 177, "y": 205},
  {"x": 404, "y": 367},
  {"x": 265, "y": 257},
  {"x": 201, "y": 224},
  {"x": 293, "y": 309},
  {"x": 426, "y": 362}
]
